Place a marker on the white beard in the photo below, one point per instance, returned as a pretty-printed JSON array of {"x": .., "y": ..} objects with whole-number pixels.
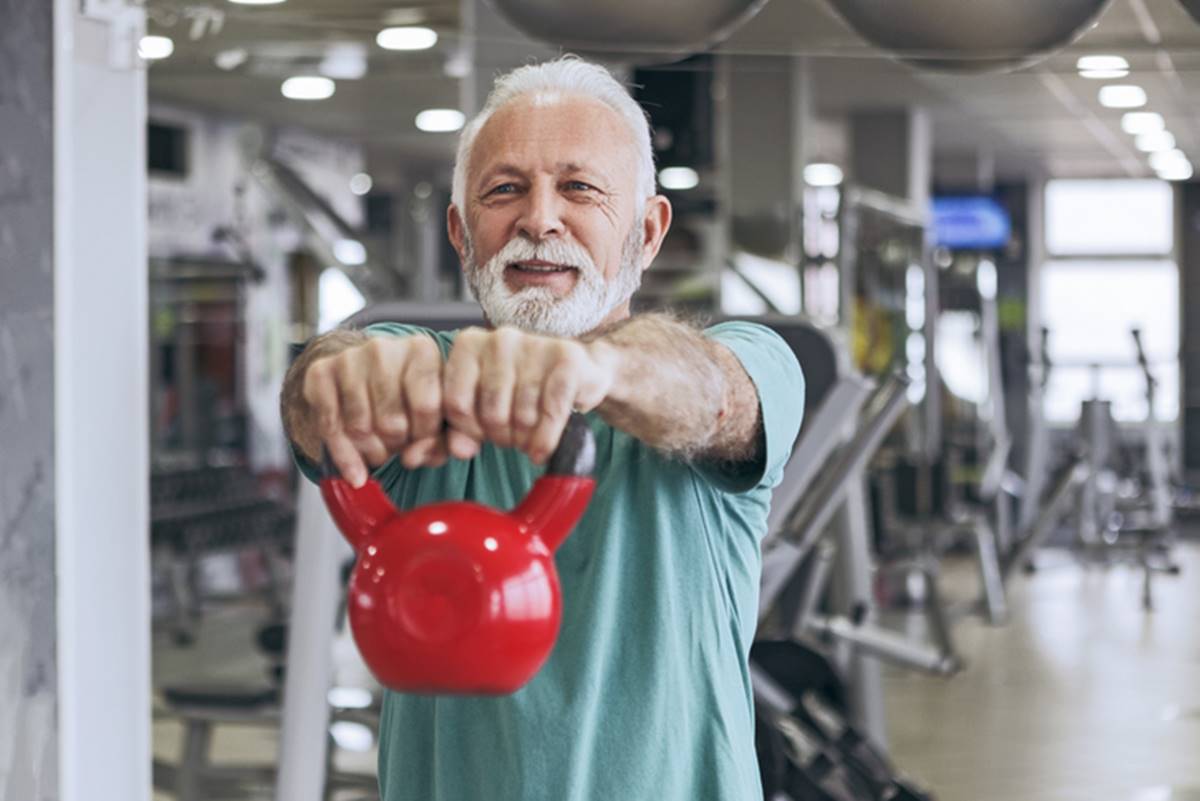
[{"x": 537, "y": 309}]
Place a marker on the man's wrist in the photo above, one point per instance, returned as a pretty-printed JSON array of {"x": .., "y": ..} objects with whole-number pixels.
[{"x": 608, "y": 359}]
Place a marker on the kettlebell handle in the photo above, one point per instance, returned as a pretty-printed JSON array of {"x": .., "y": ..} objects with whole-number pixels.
[
  {"x": 576, "y": 451},
  {"x": 552, "y": 507}
]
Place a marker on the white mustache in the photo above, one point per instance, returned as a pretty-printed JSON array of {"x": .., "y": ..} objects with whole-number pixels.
[{"x": 567, "y": 254}]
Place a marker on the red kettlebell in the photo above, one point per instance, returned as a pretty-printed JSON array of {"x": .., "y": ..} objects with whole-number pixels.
[{"x": 457, "y": 597}]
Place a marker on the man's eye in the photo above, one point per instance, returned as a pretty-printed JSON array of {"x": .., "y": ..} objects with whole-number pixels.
[
  {"x": 579, "y": 186},
  {"x": 502, "y": 189}
]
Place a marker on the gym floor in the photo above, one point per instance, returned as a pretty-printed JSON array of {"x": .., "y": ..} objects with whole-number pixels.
[{"x": 1082, "y": 696}]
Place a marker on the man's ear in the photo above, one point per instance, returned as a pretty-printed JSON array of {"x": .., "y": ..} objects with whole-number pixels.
[
  {"x": 457, "y": 229},
  {"x": 656, "y": 221}
]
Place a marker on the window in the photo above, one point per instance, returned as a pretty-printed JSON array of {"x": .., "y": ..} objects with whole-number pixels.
[
  {"x": 1109, "y": 218},
  {"x": 1090, "y": 305}
]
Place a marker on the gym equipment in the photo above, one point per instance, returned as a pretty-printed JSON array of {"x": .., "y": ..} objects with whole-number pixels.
[
  {"x": 676, "y": 27},
  {"x": 1119, "y": 515},
  {"x": 807, "y": 748},
  {"x": 200, "y": 510},
  {"x": 970, "y": 37},
  {"x": 816, "y": 581},
  {"x": 202, "y": 708},
  {"x": 968, "y": 500},
  {"x": 457, "y": 597}
]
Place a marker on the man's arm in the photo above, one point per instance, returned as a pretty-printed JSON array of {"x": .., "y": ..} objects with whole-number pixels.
[{"x": 679, "y": 391}]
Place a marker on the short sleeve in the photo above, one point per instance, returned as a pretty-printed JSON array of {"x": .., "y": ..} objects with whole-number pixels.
[
  {"x": 444, "y": 339},
  {"x": 779, "y": 381}
]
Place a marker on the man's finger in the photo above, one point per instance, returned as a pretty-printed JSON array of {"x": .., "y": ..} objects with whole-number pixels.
[
  {"x": 423, "y": 392},
  {"x": 460, "y": 382},
  {"x": 557, "y": 397},
  {"x": 498, "y": 377},
  {"x": 347, "y": 459},
  {"x": 460, "y": 445},
  {"x": 423, "y": 452},
  {"x": 389, "y": 419}
]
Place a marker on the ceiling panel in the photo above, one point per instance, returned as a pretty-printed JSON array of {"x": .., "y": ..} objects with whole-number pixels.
[{"x": 1042, "y": 118}]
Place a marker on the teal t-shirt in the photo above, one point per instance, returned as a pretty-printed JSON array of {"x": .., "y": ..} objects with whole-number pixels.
[{"x": 646, "y": 695}]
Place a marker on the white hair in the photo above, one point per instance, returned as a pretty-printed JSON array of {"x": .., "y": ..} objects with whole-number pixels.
[{"x": 568, "y": 75}]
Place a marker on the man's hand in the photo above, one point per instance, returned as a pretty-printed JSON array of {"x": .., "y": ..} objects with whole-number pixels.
[
  {"x": 374, "y": 399},
  {"x": 517, "y": 389}
]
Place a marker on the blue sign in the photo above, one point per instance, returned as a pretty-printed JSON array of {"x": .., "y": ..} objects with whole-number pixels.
[{"x": 970, "y": 223}]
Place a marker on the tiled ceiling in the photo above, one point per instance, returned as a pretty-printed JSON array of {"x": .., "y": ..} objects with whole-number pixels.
[{"x": 1044, "y": 118}]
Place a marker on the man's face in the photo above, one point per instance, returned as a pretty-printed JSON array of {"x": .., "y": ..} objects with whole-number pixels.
[{"x": 555, "y": 238}]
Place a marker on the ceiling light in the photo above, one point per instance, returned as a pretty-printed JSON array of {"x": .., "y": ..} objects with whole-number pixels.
[
  {"x": 1166, "y": 159},
  {"x": 440, "y": 120},
  {"x": 1152, "y": 141},
  {"x": 153, "y": 48},
  {"x": 307, "y": 87},
  {"x": 407, "y": 38},
  {"x": 350, "y": 252},
  {"x": 346, "y": 62},
  {"x": 1140, "y": 122},
  {"x": 1176, "y": 172},
  {"x": 230, "y": 59},
  {"x": 678, "y": 178},
  {"x": 1087, "y": 63},
  {"x": 257, "y": 2},
  {"x": 1103, "y": 75},
  {"x": 821, "y": 174},
  {"x": 1122, "y": 95},
  {"x": 361, "y": 184}
]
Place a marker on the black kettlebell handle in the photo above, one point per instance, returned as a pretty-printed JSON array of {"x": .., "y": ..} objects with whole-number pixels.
[{"x": 575, "y": 454}]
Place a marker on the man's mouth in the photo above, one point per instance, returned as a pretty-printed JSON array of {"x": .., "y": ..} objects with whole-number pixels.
[{"x": 540, "y": 267}]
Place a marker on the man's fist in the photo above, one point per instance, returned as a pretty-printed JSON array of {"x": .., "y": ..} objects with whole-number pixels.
[
  {"x": 517, "y": 389},
  {"x": 378, "y": 398}
]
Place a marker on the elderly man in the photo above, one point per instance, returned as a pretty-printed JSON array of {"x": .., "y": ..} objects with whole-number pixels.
[{"x": 647, "y": 692}]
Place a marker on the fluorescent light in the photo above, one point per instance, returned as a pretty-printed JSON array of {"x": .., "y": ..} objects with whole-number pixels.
[
  {"x": 257, "y": 2},
  {"x": 440, "y": 120},
  {"x": 407, "y": 38},
  {"x": 1140, "y": 122},
  {"x": 361, "y": 184},
  {"x": 307, "y": 87},
  {"x": 1176, "y": 172},
  {"x": 1167, "y": 158},
  {"x": 153, "y": 48},
  {"x": 346, "y": 62},
  {"x": 1086, "y": 63},
  {"x": 1151, "y": 141},
  {"x": 822, "y": 174},
  {"x": 350, "y": 252},
  {"x": 678, "y": 178},
  {"x": 1122, "y": 95},
  {"x": 1103, "y": 75},
  {"x": 231, "y": 59}
]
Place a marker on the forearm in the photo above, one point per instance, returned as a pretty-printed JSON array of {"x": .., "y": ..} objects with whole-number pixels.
[
  {"x": 298, "y": 423},
  {"x": 679, "y": 391}
]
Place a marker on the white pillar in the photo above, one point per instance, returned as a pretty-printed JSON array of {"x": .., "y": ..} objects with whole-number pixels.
[{"x": 101, "y": 475}]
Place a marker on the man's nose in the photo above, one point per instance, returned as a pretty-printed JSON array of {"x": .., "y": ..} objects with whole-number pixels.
[{"x": 542, "y": 216}]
